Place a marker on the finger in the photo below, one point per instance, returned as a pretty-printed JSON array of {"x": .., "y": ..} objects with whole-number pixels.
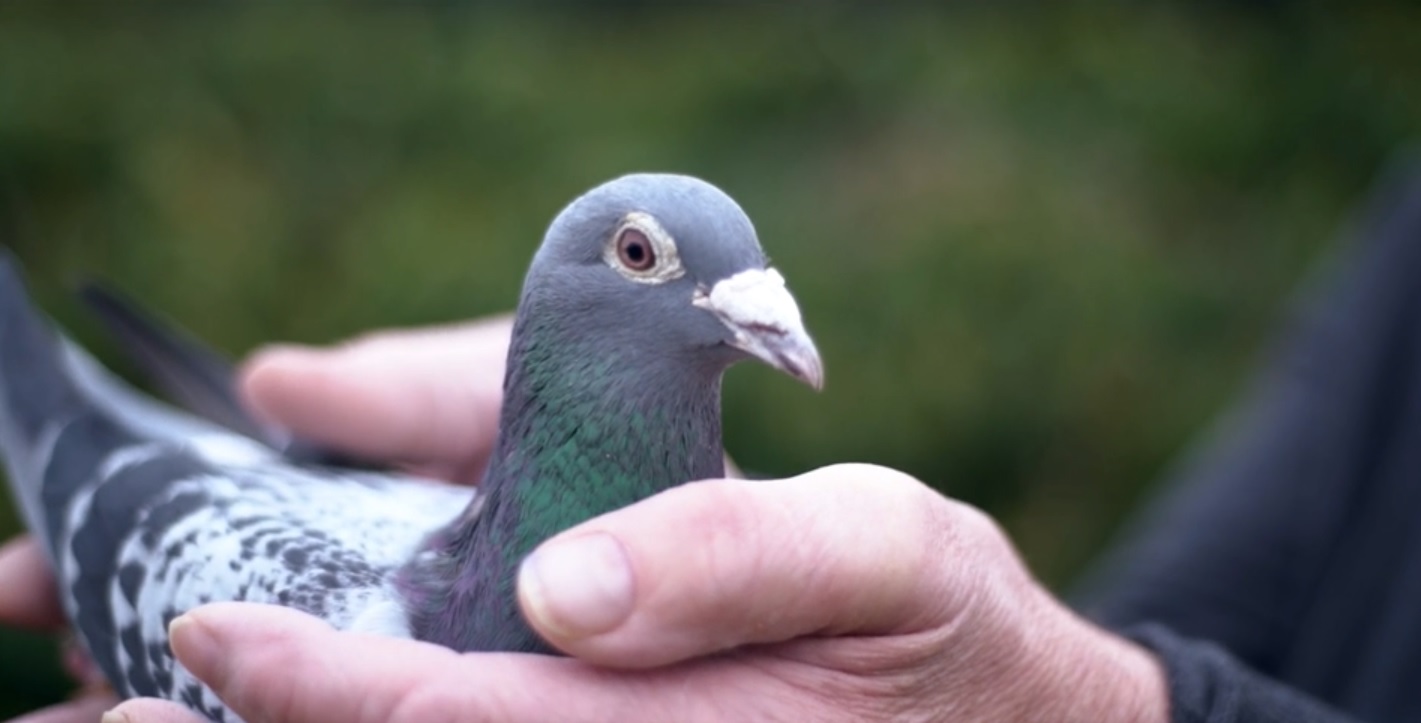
[
  {"x": 28, "y": 596},
  {"x": 151, "y": 710},
  {"x": 429, "y": 395},
  {"x": 80, "y": 665},
  {"x": 708, "y": 566},
  {"x": 81, "y": 710},
  {"x": 271, "y": 663},
  {"x": 255, "y": 658}
]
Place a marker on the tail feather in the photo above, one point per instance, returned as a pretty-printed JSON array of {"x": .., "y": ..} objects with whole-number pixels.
[
  {"x": 37, "y": 398},
  {"x": 188, "y": 372},
  {"x": 54, "y": 394},
  {"x": 34, "y": 387},
  {"x": 195, "y": 376},
  {"x": 95, "y": 468}
]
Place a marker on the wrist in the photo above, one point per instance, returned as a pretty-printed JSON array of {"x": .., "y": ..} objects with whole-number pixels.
[
  {"x": 1090, "y": 674},
  {"x": 1036, "y": 659}
]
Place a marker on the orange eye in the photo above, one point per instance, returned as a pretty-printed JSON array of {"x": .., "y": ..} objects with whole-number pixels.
[{"x": 634, "y": 250}]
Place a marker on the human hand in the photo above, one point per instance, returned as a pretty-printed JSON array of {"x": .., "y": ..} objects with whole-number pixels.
[{"x": 848, "y": 593}]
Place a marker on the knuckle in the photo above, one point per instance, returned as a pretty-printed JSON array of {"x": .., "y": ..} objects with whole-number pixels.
[
  {"x": 940, "y": 554},
  {"x": 975, "y": 529},
  {"x": 882, "y": 492},
  {"x": 372, "y": 339}
]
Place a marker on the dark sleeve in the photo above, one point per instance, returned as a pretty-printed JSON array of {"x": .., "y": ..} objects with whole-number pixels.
[
  {"x": 1208, "y": 685},
  {"x": 1253, "y": 574}
]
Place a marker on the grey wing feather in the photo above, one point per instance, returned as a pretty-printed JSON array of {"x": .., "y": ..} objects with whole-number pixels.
[
  {"x": 194, "y": 375},
  {"x": 188, "y": 372},
  {"x": 323, "y": 544}
]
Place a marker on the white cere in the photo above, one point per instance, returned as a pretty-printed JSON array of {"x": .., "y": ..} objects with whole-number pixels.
[{"x": 752, "y": 299}]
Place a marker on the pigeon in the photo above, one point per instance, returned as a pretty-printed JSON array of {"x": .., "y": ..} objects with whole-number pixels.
[{"x": 643, "y": 292}]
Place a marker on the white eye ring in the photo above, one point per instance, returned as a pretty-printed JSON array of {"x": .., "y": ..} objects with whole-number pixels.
[{"x": 665, "y": 262}]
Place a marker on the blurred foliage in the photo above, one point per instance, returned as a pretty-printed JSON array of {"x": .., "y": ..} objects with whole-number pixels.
[{"x": 1040, "y": 245}]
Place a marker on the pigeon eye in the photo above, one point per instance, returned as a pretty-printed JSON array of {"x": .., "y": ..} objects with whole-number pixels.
[
  {"x": 635, "y": 250},
  {"x": 642, "y": 252}
]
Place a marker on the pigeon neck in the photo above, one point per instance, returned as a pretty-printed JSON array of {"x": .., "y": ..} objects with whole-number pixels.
[{"x": 583, "y": 431}]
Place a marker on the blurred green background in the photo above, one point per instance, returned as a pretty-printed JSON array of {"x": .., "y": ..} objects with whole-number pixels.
[{"x": 1040, "y": 246}]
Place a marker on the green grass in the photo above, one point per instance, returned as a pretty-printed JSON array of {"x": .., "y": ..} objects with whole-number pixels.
[{"x": 1040, "y": 247}]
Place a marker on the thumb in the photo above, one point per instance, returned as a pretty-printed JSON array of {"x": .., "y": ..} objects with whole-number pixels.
[{"x": 850, "y": 549}]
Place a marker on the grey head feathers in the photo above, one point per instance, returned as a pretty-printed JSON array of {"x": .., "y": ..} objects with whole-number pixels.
[
  {"x": 699, "y": 240},
  {"x": 713, "y": 233}
]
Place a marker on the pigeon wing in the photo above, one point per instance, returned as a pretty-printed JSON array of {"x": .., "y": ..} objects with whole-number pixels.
[{"x": 147, "y": 512}]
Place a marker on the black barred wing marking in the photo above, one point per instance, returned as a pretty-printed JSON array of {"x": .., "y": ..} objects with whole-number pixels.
[{"x": 166, "y": 531}]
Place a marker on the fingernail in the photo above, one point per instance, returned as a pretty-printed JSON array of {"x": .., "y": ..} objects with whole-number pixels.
[
  {"x": 115, "y": 716},
  {"x": 577, "y": 588},
  {"x": 193, "y": 644}
]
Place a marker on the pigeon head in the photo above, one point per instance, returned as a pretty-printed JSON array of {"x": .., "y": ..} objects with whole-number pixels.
[
  {"x": 644, "y": 291},
  {"x": 667, "y": 268}
]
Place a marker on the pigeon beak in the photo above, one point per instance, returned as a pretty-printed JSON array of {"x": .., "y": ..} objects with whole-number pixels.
[{"x": 764, "y": 322}]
